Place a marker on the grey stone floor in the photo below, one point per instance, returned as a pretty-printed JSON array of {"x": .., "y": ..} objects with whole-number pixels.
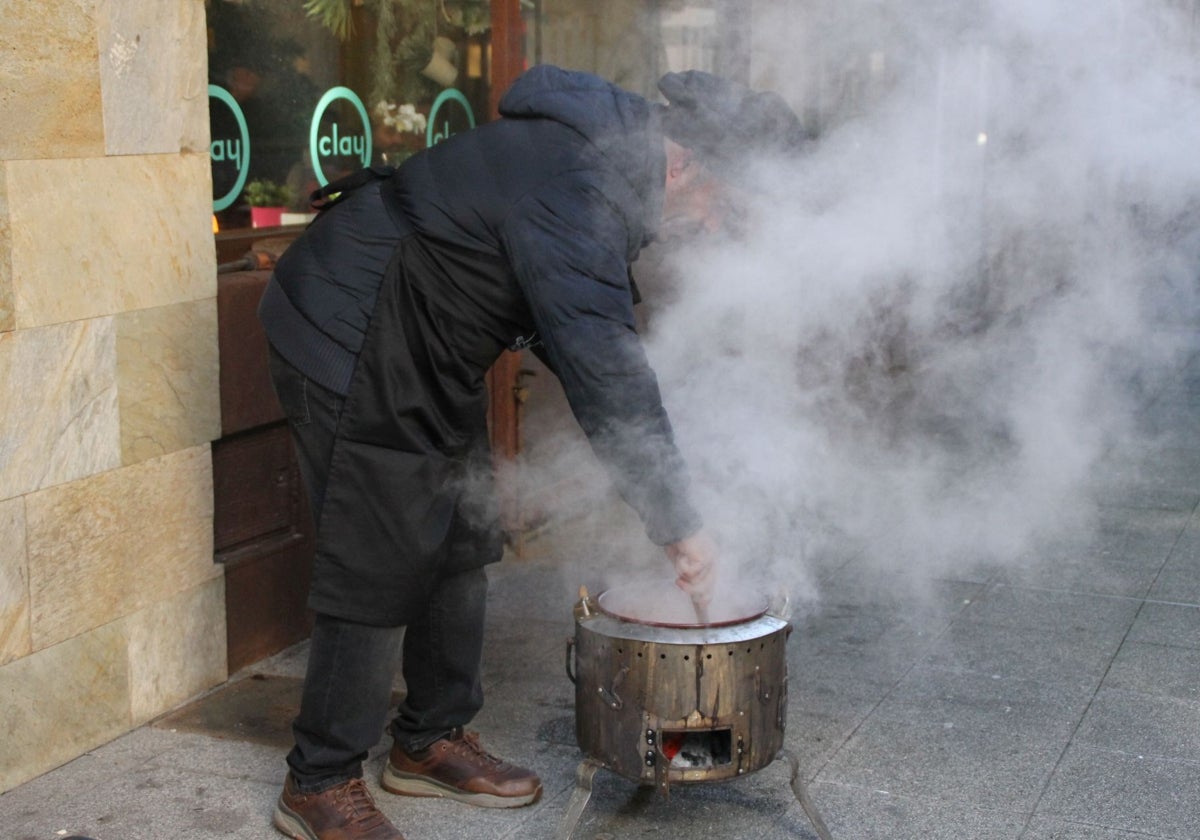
[{"x": 1058, "y": 702}]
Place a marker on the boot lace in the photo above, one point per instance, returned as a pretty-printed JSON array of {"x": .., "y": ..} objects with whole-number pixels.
[
  {"x": 467, "y": 745},
  {"x": 354, "y": 800}
]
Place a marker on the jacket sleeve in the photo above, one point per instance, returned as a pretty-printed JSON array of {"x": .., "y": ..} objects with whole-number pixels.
[{"x": 567, "y": 248}]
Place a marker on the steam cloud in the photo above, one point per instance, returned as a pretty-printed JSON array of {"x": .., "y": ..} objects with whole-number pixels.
[{"x": 943, "y": 316}]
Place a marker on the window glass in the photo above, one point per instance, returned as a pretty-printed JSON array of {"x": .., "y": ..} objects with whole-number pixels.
[
  {"x": 302, "y": 92},
  {"x": 634, "y": 42}
]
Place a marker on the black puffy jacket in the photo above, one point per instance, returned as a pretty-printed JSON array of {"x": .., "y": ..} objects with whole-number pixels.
[{"x": 517, "y": 233}]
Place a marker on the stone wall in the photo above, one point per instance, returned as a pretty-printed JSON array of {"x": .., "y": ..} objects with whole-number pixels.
[{"x": 111, "y": 608}]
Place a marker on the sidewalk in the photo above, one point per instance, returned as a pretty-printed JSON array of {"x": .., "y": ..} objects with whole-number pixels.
[{"x": 1063, "y": 703}]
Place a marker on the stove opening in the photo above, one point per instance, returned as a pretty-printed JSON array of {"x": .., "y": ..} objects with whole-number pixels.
[{"x": 697, "y": 747}]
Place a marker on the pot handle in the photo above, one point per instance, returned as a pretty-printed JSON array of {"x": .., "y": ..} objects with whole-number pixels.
[
  {"x": 570, "y": 658},
  {"x": 780, "y": 605},
  {"x": 609, "y": 695}
]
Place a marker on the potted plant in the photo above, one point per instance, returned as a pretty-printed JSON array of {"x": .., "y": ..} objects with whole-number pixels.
[{"x": 267, "y": 200}]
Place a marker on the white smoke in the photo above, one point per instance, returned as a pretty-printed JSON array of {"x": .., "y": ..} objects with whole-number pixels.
[{"x": 939, "y": 319}]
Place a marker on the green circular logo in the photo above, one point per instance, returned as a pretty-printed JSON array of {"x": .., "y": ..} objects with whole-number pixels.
[
  {"x": 337, "y": 139},
  {"x": 451, "y": 123},
  {"x": 225, "y": 148}
]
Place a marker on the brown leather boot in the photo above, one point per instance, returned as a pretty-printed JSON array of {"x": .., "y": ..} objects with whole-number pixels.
[
  {"x": 458, "y": 767},
  {"x": 342, "y": 812}
]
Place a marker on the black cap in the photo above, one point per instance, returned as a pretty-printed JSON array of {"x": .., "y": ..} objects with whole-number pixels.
[{"x": 727, "y": 123}]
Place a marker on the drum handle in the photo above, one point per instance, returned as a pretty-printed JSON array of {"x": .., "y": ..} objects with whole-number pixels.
[{"x": 570, "y": 658}]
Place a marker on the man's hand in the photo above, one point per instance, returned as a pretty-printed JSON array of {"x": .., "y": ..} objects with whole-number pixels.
[{"x": 695, "y": 560}]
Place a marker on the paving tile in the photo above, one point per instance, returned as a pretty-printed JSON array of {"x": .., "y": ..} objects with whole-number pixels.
[
  {"x": 1150, "y": 476},
  {"x": 1149, "y": 491},
  {"x": 815, "y": 738},
  {"x": 524, "y": 588},
  {"x": 1004, "y": 606},
  {"x": 523, "y": 708},
  {"x": 1041, "y": 828},
  {"x": 1156, "y": 669},
  {"x": 1135, "y": 457},
  {"x": 1144, "y": 724},
  {"x": 1173, "y": 412},
  {"x": 155, "y": 801},
  {"x": 973, "y": 702},
  {"x": 1122, "y": 557},
  {"x": 849, "y": 657},
  {"x": 866, "y": 814},
  {"x": 839, "y": 686},
  {"x": 1154, "y": 469},
  {"x": 1167, "y": 624},
  {"x": 996, "y": 769},
  {"x": 961, "y": 737},
  {"x": 1124, "y": 792},
  {"x": 1178, "y": 583},
  {"x": 899, "y": 629},
  {"x": 1179, "y": 580},
  {"x": 1075, "y": 655},
  {"x": 1112, "y": 576},
  {"x": 513, "y": 650},
  {"x": 923, "y": 599}
]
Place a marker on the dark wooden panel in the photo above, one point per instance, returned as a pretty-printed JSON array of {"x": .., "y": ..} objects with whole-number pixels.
[
  {"x": 247, "y": 399},
  {"x": 264, "y": 604},
  {"x": 257, "y": 492},
  {"x": 263, "y": 535}
]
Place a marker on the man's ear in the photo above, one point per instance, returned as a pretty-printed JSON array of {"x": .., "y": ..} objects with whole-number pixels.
[{"x": 679, "y": 160}]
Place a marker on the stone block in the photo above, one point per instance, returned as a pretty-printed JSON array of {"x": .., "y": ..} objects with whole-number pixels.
[
  {"x": 6, "y": 302},
  {"x": 51, "y": 79},
  {"x": 123, "y": 233},
  {"x": 58, "y": 405},
  {"x": 62, "y": 701},
  {"x": 153, "y": 81},
  {"x": 176, "y": 649},
  {"x": 167, "y": 371},
  {"x": 107, "y": 546},
  {"x": 14, "y": 582}
]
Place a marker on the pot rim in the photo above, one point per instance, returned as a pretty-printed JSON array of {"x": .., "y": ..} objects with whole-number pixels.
[
  {"x": 606, "y": 625},
  {"x": 760, "y": 606}
]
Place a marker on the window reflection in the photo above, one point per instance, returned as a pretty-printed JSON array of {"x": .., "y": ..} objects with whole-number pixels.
[
  {"x": 634, "y": 42},
  {"x": 279, "y": 61}
]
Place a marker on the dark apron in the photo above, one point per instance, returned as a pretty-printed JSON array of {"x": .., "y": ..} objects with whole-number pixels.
[{"x": 411, "y": 493}]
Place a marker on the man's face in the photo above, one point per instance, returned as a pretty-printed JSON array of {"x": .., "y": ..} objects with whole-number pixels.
[{"x": 695, "y": 202}]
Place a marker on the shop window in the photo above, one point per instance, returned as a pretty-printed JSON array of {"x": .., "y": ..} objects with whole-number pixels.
[
  {"x": 302, "y": 92},
  {"x": 633, "y": 42}
]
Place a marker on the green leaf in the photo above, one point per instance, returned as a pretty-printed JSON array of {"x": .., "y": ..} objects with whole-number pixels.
[{"x": 333, "y": 14}]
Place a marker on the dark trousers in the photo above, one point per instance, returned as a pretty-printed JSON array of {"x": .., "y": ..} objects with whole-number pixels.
[{"x": 351, "y": 666}]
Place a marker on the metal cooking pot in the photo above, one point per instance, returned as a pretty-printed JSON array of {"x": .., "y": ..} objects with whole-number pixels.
[{"x": 662, "y": 698}]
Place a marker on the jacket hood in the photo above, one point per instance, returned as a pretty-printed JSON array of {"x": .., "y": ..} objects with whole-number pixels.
[{"x": 624, "y": 127}]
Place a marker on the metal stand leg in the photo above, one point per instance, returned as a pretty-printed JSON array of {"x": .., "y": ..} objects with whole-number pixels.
[
  {"x": 806, "y": 804},
  {"x": 579, "y": 798}
]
